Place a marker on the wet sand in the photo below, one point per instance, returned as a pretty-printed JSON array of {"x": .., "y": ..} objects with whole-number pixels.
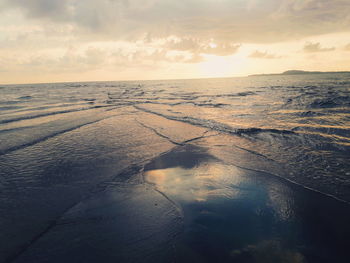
[
  {"x": 236, "y": 214},
  {"x": 193, "y": 204}
]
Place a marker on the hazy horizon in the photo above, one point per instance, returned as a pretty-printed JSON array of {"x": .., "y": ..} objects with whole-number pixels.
[
  {"x": 165, "y": 79},
  {"x": 45, "y": 41}
]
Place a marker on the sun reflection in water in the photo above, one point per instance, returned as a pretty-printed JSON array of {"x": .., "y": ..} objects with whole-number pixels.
[{"x": 198, "y": 183}]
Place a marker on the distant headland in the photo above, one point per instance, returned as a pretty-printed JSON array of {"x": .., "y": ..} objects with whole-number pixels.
[{"x": 300, "y": 72}]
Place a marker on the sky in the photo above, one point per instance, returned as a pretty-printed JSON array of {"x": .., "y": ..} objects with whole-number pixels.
[{"x": 92, "y": 40}]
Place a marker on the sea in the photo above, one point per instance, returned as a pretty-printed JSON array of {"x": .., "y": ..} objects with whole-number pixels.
[{"x": 63, "y": 145}]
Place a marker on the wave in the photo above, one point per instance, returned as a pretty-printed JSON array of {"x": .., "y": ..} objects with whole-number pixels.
[
  {"x": 331, "y": 102},
  {"x": 213, "y": 105},
  {"x": 217, "y": 126},
  {"x": 15, "y": 129},
  {"x": 10, "y": 108},
  {"x": 44, "y": 138},
  {"x": 239, "y": 94},
  {"x": 77, "y": 85},
  {"x": 25, "y": 98},
  {"x": 262, "y": 130},
  {"x": 10, "y": 102},
  {"x": 49, "y": 114},
  {"x": 243, "y": 94},
  {"x": 199, "y": 104},
  {"x": 311, "y": 114}
]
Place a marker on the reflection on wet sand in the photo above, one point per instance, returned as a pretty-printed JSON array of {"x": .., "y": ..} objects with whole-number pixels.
[
  {"x": 197, "y": 184},
  {"x": 232, "y": 214}
]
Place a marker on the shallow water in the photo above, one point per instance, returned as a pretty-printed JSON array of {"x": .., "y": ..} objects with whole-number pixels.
[
  {"x": 233, "y": 214},
  {"x": 272, "y": 148}
]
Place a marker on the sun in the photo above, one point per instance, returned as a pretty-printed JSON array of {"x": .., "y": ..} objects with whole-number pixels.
[{"x": 222, "y": 66}]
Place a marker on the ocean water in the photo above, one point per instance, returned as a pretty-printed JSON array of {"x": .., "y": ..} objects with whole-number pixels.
[{"x": 64, "y": 146}]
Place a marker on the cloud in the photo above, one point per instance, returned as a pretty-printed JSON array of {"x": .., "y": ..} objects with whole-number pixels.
[
  {"x": 220, "y": 49},
  {"x": 198, "y": 46},
  {"x": 264, "y": 55},
  {"x": 107, "y": 35},
  {"x": 225, "y": 20},
  {"x": 164, "y": 55},
  {"x": 97, "y": 16},
  {"x": 184, "y": 44},
  {"x": 78, "y": 59},
  {"x": 316, "y": 47},
  {"x": 42, "y": 8},
  {"x": 72, "y": 60}
]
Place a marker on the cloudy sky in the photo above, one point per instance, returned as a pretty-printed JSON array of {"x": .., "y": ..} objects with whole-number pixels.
[{"x": 76, "y": 40}]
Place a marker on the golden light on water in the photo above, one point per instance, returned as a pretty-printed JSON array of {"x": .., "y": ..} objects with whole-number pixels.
[{"x": 196, "y": 184}]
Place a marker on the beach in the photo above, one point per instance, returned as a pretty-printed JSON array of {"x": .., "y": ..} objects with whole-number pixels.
[{"x": 212, "y": 170}]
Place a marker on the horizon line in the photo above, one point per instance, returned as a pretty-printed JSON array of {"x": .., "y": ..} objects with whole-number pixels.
[
  {"x": 125, "y": 80},
  {"x": 132, "y": 80}
]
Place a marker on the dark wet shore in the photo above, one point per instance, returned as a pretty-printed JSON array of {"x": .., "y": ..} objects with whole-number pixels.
[
  {"x": 192, "y": 204},
  {"x": 234, "y": 214}
]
